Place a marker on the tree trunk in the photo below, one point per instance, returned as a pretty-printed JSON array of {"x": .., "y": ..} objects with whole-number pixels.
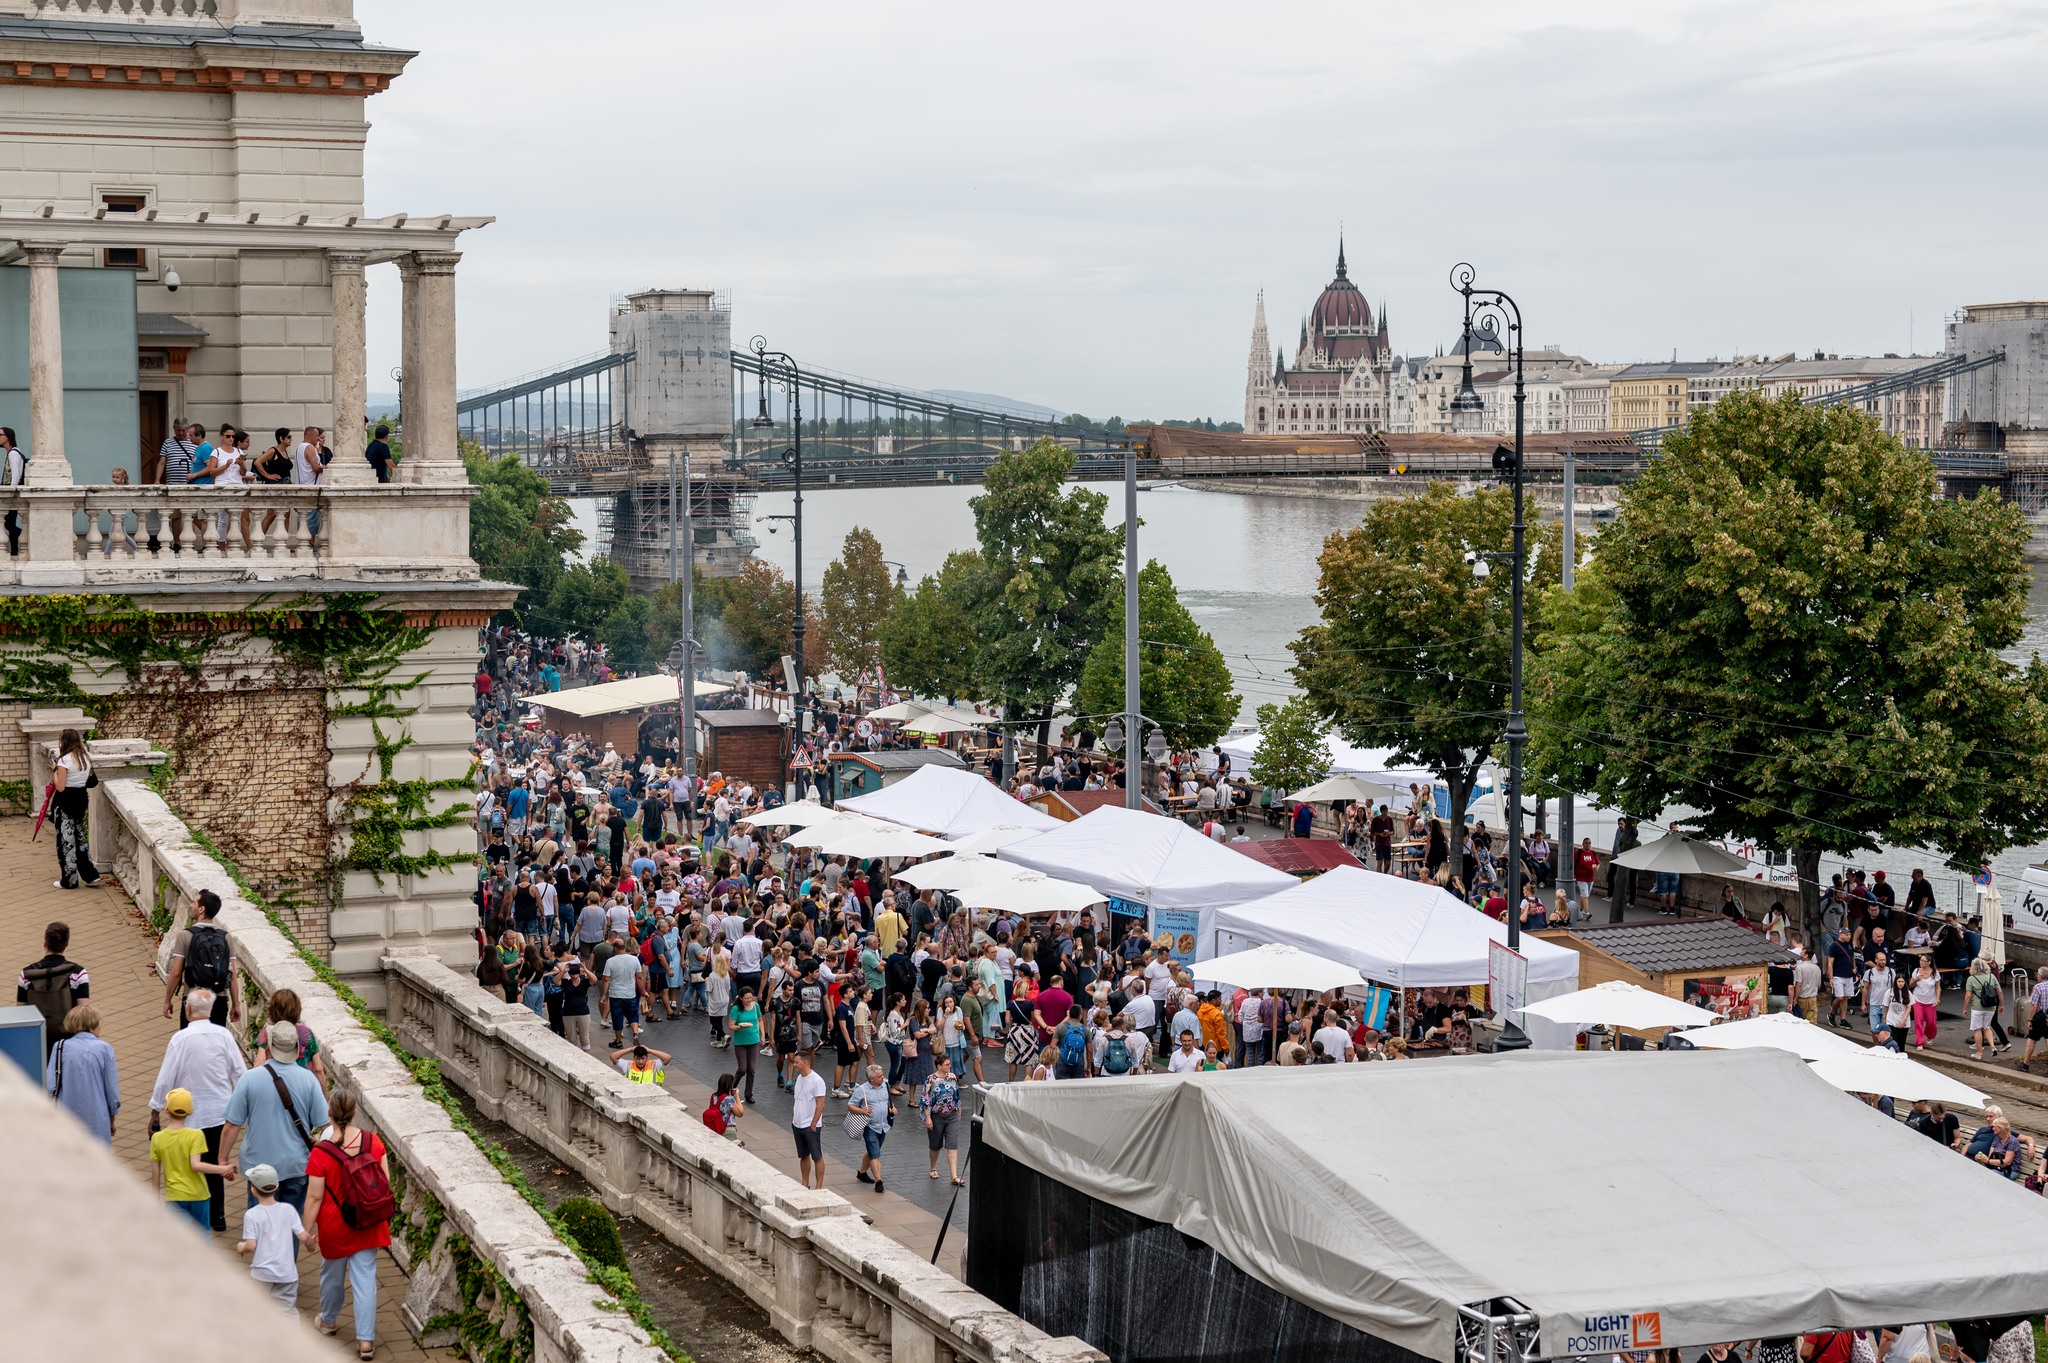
[
  {"x": 1459, "y": 779},
  {"x": 1806, "y": 864}
]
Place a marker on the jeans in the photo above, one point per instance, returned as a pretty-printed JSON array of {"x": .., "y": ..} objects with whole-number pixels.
[
  {"x": 360, "y": 1269},
  {"x": 200, "y": 1210},
  {"x": 693, "y": 994},
  {"x": 958, "y": 1055},
  {"x": 535, "y": 998},
  {"x": 1877, "y": 1018},
  {"x": 896, "y": 1062}
]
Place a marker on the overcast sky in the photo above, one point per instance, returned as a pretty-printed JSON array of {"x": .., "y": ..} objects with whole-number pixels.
[{"x": 1077, "y": 204}]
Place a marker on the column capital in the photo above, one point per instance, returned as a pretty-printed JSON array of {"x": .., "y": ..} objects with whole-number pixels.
[
  {"x": 43, "y": 252},
  {"x": 346, "y": 262},
  {"x": 436, "y": 262}
]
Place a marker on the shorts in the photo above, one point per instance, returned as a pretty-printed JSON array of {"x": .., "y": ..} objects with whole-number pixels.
[
  {"x": 873, "y": 1139},
  {"x": 1667, "y": 882},
  {"x": 2037, "y": 1029},
  {"x": 1980, "y": 1019},
  {"x": 810, "y": 1035},
  {"x": 810, "y": 1142},
  {"x": 1841, "y": 986},
  {"x": 847, "y": 1059},
  {"x": 944, "y": 1134},
  {"x": 623, "y": 1012}
]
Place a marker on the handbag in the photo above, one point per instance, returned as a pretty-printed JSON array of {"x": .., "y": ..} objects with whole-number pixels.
[{"x": 855, "y": 1123}]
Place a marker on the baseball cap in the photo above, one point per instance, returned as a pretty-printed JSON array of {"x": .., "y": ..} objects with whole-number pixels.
[
  {"x": 263, "y": 1178},
  {"x": 178, "y": 1102}
]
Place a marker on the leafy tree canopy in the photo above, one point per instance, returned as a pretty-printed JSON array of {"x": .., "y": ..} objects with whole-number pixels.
[
  {"x": 858, "y": 592},
  {"x": 1183, "y": 682},
  {"x": 1412, "y": 652},
  {"x": 1294, "y": 745},
  {"x": 518, "y": 531},
  {"x": 929, "y": 639},
  {"x": 1791, "y": 633}
]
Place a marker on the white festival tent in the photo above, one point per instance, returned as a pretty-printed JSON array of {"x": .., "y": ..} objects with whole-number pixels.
[
  {"x": 1647, "y": 1220},
  {"x": 956, "y": 872},
  {"x": 1400, "y": 932},
  {"x": 1151, "y": 860},
  {"x": 993, "y": 838},
  {"x": 948, "y": 802}
]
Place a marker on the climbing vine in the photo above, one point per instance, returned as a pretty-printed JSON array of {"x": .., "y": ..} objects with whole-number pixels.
[{"x": 145, "y": 666}]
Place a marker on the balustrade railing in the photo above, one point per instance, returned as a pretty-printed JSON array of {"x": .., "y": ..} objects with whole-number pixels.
[
  {"x": 482, "y": 1267},
  {"x": 827, "y": 1280}
]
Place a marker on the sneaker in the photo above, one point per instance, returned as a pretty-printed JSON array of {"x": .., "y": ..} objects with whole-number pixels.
[
  {"x": 863, "y": 1177},
  {"x": 878, "y": 1185},
  {"x": 2023, "y": 1066}
]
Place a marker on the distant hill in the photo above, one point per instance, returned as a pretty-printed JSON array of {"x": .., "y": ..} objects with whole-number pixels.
[{"x": 1034, "y": 409}]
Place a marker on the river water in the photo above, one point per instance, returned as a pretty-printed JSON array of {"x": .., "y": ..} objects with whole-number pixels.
[{"x": 1246, "y": 569}]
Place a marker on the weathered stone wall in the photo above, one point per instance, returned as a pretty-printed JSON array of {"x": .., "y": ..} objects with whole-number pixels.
[{"x": 249, "y": 767}]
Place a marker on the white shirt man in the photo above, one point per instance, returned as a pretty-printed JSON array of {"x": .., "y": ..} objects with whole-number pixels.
[
  {"x": 308, "y": 462},
  {"x": 1185, "y": 1058},
  {"x": 741, "y": 845},
  {"x": 203, "y": 1059},
  {"x": 1142, "y": 1012},
  {"x": 1336, "y": 1041},
  {"x": 746, "y": 953},
  {"x": 1158, "y": 979}
]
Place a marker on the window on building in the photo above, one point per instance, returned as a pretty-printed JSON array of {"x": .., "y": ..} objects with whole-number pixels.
[{"x": 130, "y": 257}]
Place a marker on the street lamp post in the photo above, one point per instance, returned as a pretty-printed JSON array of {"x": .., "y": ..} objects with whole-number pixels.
[
  {"x": 1132, "y": 794},
  {"x": 782, "y": 369},
  {"x": 1487, "y": 312}
]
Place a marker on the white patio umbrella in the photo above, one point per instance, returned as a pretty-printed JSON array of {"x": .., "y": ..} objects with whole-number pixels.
[
  {"x": 825, "y": 830},
  {"x": 900, "y": 711},
  {"x": 1617, "y": 1003},
  {"x": 1346, "y": 788},
  {"x": 1779, "y": 1031},
  {"x": 1030, "y": 892},
  {"x": 802, "y": 814},
  {"x": 1892, "y": 1075},
  {"x": 1278, "y": 966},
  {"x": 883, "y": 840},
  {"x": 1682, "y": 855},
  {"x": 1992, "y": 908},
  {"x": 992, "y": 837},
  {"x": 940, "y": 724},
  {"x": 957, "y": 872}
]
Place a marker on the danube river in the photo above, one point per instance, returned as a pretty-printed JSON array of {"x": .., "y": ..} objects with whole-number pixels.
[{"x": 1245, "y": 566}]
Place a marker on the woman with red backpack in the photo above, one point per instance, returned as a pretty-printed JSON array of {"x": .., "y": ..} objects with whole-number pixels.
[{"x": 349, "y": 1205}]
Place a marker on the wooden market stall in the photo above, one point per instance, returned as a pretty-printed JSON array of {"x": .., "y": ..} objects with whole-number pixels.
[
  {"x": 613, "y": 712},
  {"x": 744, "y": 745},
  {"x": 1709, "y": 961},
  {"x": 863, "y": 773}
]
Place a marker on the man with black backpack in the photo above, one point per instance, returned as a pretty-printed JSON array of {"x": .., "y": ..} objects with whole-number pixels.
[
  {"x": 53, "y": 984},
  {"x": 203, "y": 958}
]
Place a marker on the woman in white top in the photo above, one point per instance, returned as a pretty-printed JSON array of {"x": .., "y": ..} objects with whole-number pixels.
[
  {"x": 69, "y": 781},
  {"x": 232, "y": 461}
]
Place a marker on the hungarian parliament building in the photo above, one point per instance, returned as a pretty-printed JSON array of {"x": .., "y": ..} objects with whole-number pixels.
[{"x": 1346, "y": 379}]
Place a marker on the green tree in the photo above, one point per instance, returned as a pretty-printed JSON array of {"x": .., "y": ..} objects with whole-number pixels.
[
  {"x": 1294, "y": 746},
  {"x": 1051, "y": 565},
  {"x": 1183, "y": 682},
  {"x": 929, "y": 639},
  {"x": 518, "y": 530},
  {"x": 857, "y": 593},
  {"x": 1791, "y": 633},
  {"x": 1412, "y": 652},
  {"x": 581, "y": 599},
  {"x": 744, "y": 621}
]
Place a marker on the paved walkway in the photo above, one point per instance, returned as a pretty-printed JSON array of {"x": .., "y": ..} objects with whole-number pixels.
[
  {"x": 908, "y": 1211},
  {"x": 109, "y": 938}
]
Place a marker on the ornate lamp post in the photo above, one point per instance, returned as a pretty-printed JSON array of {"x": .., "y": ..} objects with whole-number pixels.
[{"x": 1487, "y": 313}]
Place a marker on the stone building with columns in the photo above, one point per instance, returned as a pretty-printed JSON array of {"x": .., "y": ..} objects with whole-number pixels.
[{"x": 182, "y": 234}]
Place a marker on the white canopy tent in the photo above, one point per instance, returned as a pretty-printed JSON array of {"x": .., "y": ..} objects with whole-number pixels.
[
  {"x": 956, "y": 872},
  {"x": 949, "y": 802},
  {"x": 1151, "y": 860},
  {"x": 1369, "y": 1209},
  {"x": 1774, "y": 1031},
  {"x": 994, "y": 837},
  {"x": 1400, "y": 932}
]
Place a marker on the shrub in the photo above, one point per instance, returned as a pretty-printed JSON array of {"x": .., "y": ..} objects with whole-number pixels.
[{"x": 591, "y": 1225}]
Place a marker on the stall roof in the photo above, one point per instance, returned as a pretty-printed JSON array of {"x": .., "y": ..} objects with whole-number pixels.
[
  {"x": 1659, "y": 948},
  {"x": 1155, "y": 861},
  {"x": 739, "y": 719},
  {"x": 1084, "y": 801},
  {"x": 1383, "y": 1195},
  {"x": 614, "y": 698},
  {"x": 1396, "y": 931},
  {"x": 1298, "y": 856},
  {"x": 950, "y": 802}
]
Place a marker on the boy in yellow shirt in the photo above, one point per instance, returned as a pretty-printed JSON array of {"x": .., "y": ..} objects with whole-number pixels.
[{"x": 179, "y": 1154}]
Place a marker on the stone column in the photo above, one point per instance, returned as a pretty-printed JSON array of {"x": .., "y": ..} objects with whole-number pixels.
[
  {"x": 409, "y": 369},
  {"x": 434, "y": 434},
  {"x": 351, "y": 376},
  {"x": 47, "y": 467}
]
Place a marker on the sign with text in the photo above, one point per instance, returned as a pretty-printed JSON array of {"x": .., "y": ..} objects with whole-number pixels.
[
  {"x": 1507, "y": 980},
  {"x": 2029, "y": 915},
  {"x": 1178, "y": 928}
]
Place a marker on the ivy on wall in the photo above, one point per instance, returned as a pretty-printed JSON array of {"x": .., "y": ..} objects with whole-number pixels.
[{"x": 148, "y": 664}]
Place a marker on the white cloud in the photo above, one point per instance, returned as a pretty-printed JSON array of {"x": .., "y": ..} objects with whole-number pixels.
[{"x": 1076, "y": 203}]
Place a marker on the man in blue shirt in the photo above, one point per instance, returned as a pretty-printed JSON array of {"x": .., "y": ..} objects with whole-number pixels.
[
  {"x": 273, "y": 1125},
  {"x": 516, "y": 801}
]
